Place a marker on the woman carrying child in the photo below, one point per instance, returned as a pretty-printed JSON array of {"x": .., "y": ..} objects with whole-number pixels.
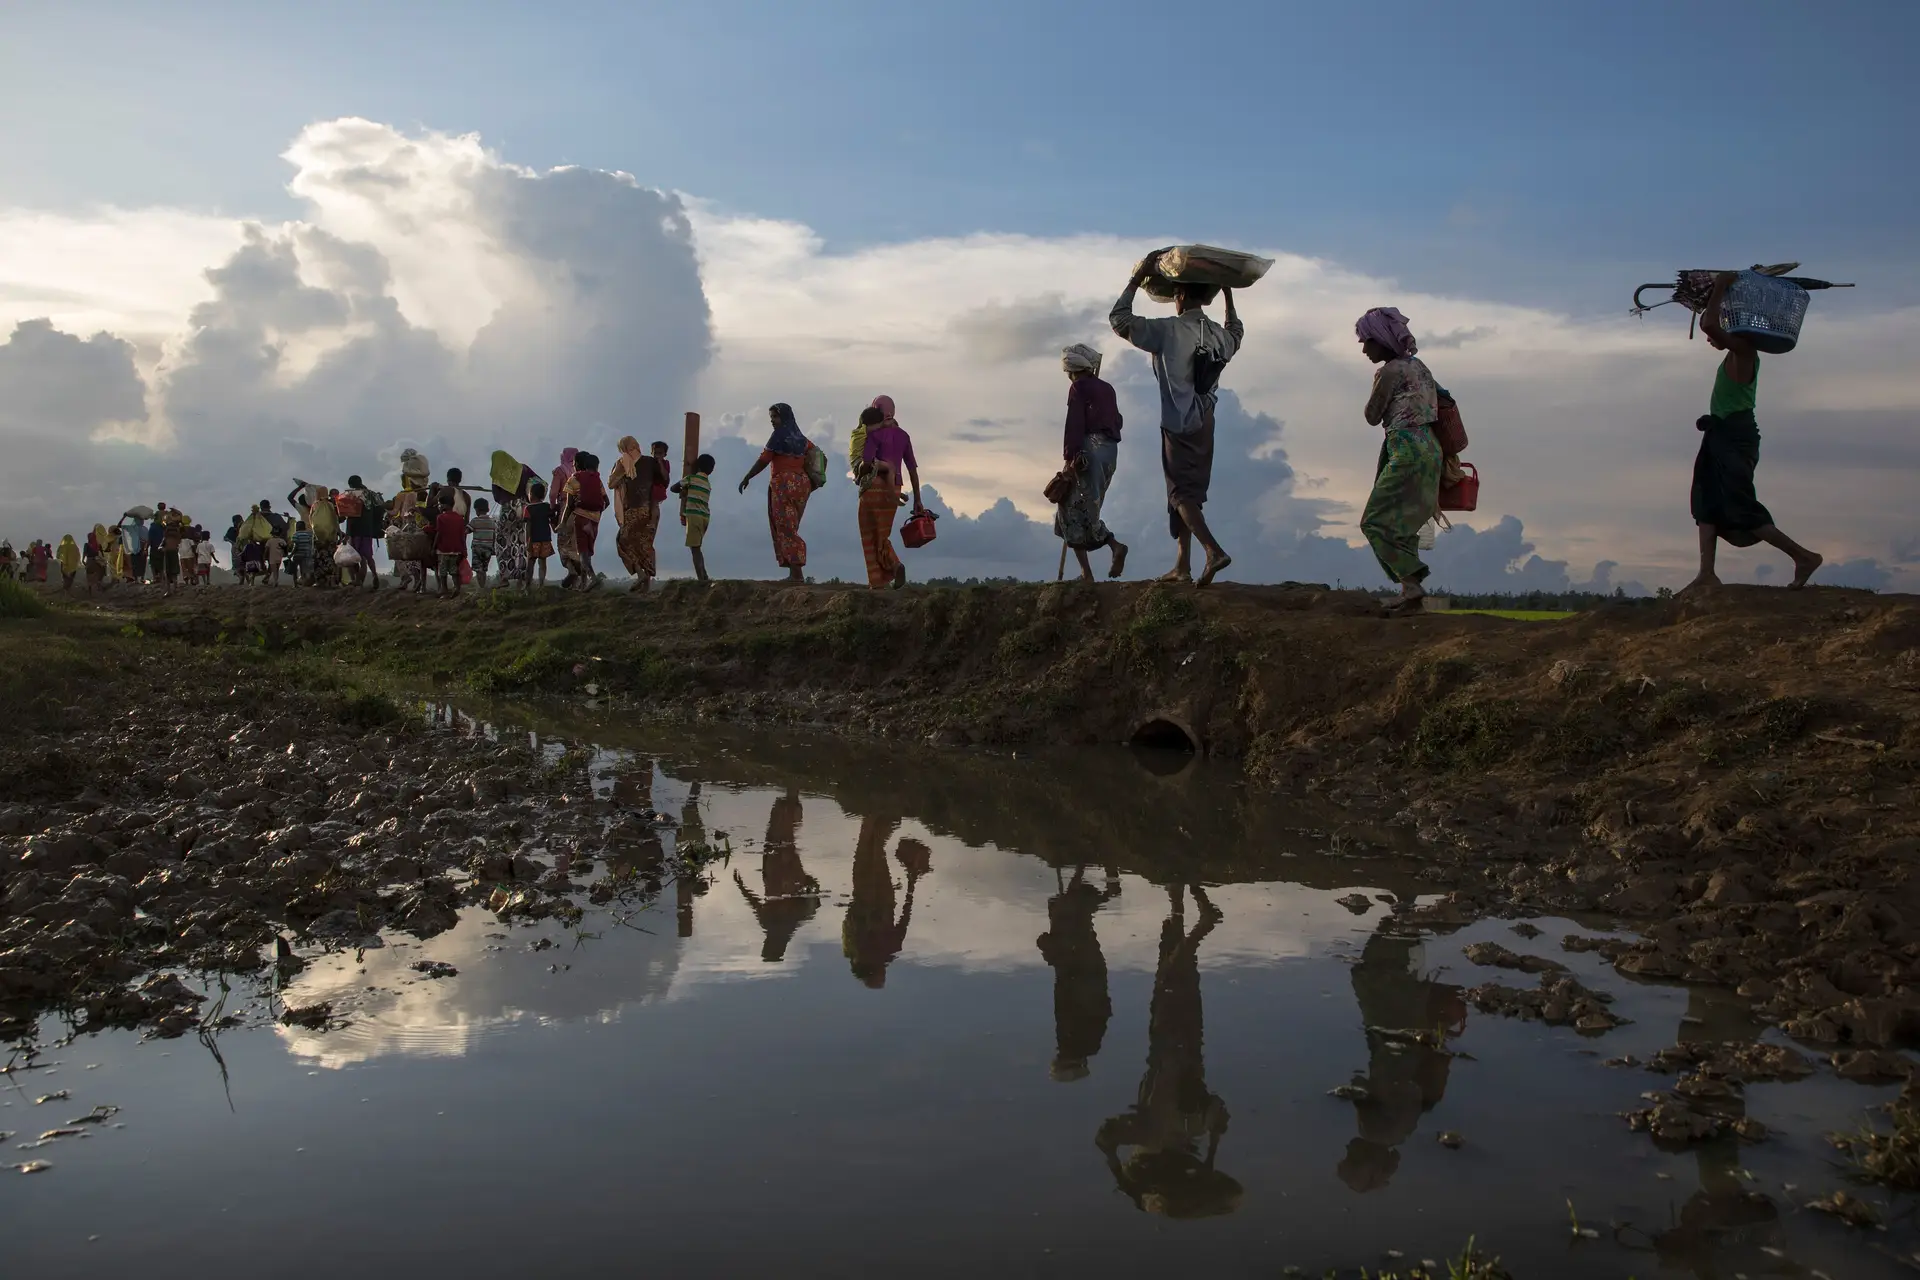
[
  {"x": 885, "y": 451},
  {"x": 585, "y": 501}
]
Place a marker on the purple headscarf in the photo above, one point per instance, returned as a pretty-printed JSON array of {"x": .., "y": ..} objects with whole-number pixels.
[{"x": 1386, "y": 326}]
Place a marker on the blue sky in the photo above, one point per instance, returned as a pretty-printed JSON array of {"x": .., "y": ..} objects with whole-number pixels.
[{"x": 1550, "y": 153}]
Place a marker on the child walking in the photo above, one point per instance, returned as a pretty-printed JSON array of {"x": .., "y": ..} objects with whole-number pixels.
[
  {"x": 449, "y": 543},
  {"x": 696, "y": 493},
  {"x": 539, "y": 533},
  {"x": 482, "y": 527},
  {"x": 302, "y": 553}
]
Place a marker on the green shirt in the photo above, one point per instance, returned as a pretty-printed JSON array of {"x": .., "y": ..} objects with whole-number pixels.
[
  {"x": 694, "y": 492},
  {"x": 1730, "y": 397}
]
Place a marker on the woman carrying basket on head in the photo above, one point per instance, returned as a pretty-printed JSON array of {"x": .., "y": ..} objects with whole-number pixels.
[{"x": 1723, "y": 500}]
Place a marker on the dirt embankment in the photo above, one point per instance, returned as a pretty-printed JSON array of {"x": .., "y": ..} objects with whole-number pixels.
[{"x": 1732, "y": 774}]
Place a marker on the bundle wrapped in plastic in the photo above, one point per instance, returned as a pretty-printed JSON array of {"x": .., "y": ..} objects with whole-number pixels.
[
  {"x": 1202, "y": 264},
  {"x": 414, "y": 471}
]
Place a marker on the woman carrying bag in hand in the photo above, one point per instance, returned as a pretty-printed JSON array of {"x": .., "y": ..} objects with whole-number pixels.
[{"x": 888, "y": 448}]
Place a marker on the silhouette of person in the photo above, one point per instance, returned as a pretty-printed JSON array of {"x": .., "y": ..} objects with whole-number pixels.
[
  {"x": 1166, "y": 1174},
  {"x": 1081, "y": 1005},
  {"x": 789, "y": 896},
  {"x": 1405, "y": 1079},
  {"x": 634, "y": 841},
  {"x": 688, "y": 887},
  {"x": 870, "y": 936}
]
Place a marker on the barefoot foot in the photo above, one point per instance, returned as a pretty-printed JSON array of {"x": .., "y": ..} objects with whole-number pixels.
[
  {"x": 1119, "y": 560},
  {"x": 1215, "y": 565},
  {"x": 1804, "y": 569}
]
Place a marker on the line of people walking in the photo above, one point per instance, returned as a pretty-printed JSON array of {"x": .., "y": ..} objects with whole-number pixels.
[{"x": 447, "y": 531}]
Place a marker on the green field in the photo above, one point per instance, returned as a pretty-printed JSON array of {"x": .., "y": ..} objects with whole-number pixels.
[{"x": 1522, "y": 615}]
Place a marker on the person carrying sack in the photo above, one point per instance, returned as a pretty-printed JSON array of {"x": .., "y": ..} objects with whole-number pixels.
[{"x": 1189, "y": 350}]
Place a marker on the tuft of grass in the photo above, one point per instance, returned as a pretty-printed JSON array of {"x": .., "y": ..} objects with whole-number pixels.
[
  {"x": 1161, "y": 612},
  {"x": 1464, "y": 732},
  {"x": 1782, "y": 720},
  {"x": 1890, "y": 1157},
  {"x": 368, "y": 710},
  {"x": 17, "y": 600}
]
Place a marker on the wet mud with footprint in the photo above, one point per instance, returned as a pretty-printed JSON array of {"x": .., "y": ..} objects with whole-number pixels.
[{"x": 767, "y": 1001}]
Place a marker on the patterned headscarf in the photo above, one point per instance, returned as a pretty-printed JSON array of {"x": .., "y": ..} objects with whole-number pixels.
[
  {"x": 786, "y": 439},
  {"x": 885, "y": 405},
  {"x": 1081, "y": 358},
  {"x": 1386, "y": 326}
]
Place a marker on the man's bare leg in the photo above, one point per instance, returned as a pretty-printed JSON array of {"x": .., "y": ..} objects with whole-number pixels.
[
  {"x": 1217, "y": 558},
  {"x": 1119, "y": 550},
  {"x": 1805, "y": 562},
  {"x": 1182, "y": 570},
  {"x": 1709, "y": 543},
  {"x": 1086, "y": 568}
]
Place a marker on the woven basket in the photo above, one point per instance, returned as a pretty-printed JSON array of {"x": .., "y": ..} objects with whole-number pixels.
[{"x": 1766, "y": 310}]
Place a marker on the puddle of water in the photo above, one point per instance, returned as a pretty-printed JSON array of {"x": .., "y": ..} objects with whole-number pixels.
[{"x": 945, "y": 1013}]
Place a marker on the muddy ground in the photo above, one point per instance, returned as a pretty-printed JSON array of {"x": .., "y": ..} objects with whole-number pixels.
[{"x": 1731, "y": 776}]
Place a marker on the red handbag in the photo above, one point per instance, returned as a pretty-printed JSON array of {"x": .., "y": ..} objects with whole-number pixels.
[
  {"x": 918, "y": 531},
  {"x": 1463, "y": 494}
]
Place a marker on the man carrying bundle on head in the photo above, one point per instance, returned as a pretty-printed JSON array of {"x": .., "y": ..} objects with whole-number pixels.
[{"x": 1189, "y": 350}]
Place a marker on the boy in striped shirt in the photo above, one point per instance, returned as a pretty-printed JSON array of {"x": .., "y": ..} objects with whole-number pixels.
[{"x": 695, "y": 493}]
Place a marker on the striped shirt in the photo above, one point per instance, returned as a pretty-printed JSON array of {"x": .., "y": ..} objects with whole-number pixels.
[{"x": 696, "y": 489}]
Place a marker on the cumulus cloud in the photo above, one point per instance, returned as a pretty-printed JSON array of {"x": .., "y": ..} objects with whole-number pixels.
[{"x": 434, "y": 294}]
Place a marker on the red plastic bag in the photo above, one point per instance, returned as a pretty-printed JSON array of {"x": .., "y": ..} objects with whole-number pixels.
[
  {"x": 1464, "y": 493},
  {"x": 466, "y": 572},
  {"x": 918, "y": 531}
]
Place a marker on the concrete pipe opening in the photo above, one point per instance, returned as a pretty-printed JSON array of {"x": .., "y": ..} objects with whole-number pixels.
[{"x": 1160, "y": 734}]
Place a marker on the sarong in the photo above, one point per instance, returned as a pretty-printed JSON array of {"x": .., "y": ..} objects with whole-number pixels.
[
  {"x": 586, "y": 531},
  {"x": 787, "y": 494},
  {"x": 510, "y": 540},
  {"x": 1077, "y": 521},
  {"x": 879, "y": 504},
  {"x": 634, "y": 542},
  {"x": 1723, "y": 493},
  {"x": 1406, "y": 493},
  {"x": 1187, "y": 462},
  {"x": 567, "y": 550}
]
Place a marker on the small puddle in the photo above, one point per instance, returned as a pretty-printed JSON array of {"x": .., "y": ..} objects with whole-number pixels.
[{"x": 940, "y": 1014}]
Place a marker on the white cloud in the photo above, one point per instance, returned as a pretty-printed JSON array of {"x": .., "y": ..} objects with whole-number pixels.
[{"x": 438, "y": 294}]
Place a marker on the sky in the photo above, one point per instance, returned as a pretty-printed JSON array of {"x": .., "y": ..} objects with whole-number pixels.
[{"x": 239, "y": 239}]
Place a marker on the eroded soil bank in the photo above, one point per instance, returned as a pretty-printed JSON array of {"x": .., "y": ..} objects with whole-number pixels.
[{"x": 1731, "y": 776}]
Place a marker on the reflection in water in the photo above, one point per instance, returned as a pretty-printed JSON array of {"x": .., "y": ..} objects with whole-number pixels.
[
  {"x": 789, "y": 897},
  {"x": 1081, "y": 1005},
  {"x": 1165, "y": 1174},
  {"x": 1405, "y": 1079},
  {"x": 1725, "y": 1225},
  {"x": 870, "y": 936}
]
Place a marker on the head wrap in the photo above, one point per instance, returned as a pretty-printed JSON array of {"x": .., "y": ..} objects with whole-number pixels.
[
  {"x": 885, "y": 405},
  {"x": 1386, "y": 326},
  {"x": 786, "y": 439},
  {"x": 1080, "y": 358},
  {"x": 563, "y": 472}
]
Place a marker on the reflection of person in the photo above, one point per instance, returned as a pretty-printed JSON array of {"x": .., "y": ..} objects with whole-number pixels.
[
  {"x": 1404, "y": 1080},
  {"x": 1081, "y": 1005},
  {"x": 1165, "y": 1173},
  {"x": 789, "y": 896},
  {"x": 870, "y": 936}
]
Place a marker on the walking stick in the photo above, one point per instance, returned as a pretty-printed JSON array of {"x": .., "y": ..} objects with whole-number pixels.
[{"x": 1061, "y": 576}]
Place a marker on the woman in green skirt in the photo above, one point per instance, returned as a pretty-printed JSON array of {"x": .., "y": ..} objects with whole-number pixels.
[{"x": 1406, "y": 484}]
